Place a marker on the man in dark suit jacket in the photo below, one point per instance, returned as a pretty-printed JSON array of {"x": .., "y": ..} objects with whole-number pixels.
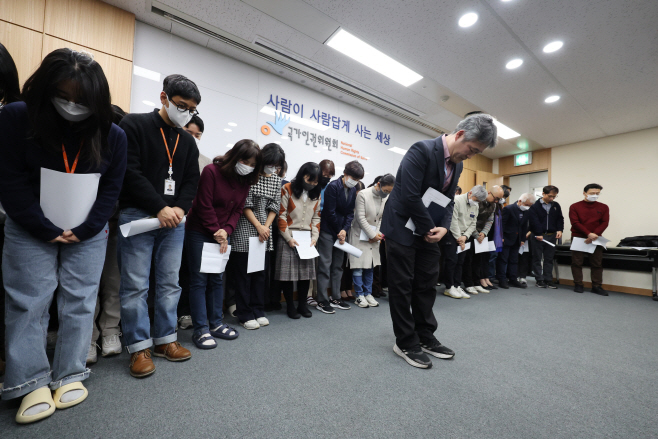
[
  {"x": 515, "y": 228},
  {"x": 546, "y": 224},
  {"x": 413, "y": 257}
]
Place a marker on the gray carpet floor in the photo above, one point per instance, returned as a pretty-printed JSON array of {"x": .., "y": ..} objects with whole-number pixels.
[{"x": 530, "y": 363}]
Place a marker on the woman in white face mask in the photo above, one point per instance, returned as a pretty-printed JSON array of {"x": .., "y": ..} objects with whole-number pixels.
[
  {"x": 59, "y": 139},
  {"x": 219, "y": 202}
]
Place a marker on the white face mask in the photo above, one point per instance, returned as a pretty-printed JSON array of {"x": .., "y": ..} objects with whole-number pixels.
[
  {"x": 270, "y": 169},
  {"x": 524, "y": 208},
  {"x": 349, "y": 182},
  {"x": 592, "y": 197},
  {"x": 243, "y": 169},
  {"x": 70, "y": 110},
  {"x": 501, "y": 201},
  {"x": 179, "y": 118},
  {"x": 472, "y": 202}
]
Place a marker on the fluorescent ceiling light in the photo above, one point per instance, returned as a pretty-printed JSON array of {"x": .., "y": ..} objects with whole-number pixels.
[
  {"x": 515, "y": 63},
  {"x": 294, "y": 119},
  {"x": 149, "y": 103},
  {"x": 360, "y": 51},
  {"x": 468, "y": 20},
  {"x": 397, "y": 150},
  {"x": 551, "y": 99},
  {"x": 504, "y": 131},
  {"x": 146, "y": 73},
  {"x": 552, "y": 47},
  {"x": 228, "y": 130},
  {"x": 232, "y": 124}
]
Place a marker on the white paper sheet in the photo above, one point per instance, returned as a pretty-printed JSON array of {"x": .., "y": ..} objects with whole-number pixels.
[
  {"x": 348, "y": 248},
  {"x": 578, "y": 244},
  {"x": 466, "y": 247},
  {"x": 142, "y": 226},
  {"x": 410, "y": 225},
  {"x": 67, "y": 199},
  {"x": 603, "y": 242},
  {"x": 525, "y": 248},
  {"x": 256, "y": 258},
  {"x": 482, "y": 248},
  {"x": 212, "y": 261},
  {"x": 305, "y": 250},
  {"x": 492, "y": 246},
  {"x": 364, "y": 235},
  {"x": 548, "y": 242},
  {"x": 433, "y": 196}
]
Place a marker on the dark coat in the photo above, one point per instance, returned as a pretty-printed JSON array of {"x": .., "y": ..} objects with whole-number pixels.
[{"x": 515, "y": 225}]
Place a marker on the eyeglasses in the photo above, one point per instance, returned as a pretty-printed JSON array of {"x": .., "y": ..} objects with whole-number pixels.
[
  {"x": 183, "y": 108},
  {"x": 496, "y": 199}
]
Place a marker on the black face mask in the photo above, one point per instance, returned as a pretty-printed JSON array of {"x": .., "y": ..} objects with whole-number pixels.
[
  {"x": 324, "y": 181},
  {"x": 308, "y": 187}
]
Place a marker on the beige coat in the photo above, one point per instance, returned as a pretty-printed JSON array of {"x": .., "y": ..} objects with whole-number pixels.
[
  {"x": 368, "y": 213},
  {"x": 464, "y": 217}
]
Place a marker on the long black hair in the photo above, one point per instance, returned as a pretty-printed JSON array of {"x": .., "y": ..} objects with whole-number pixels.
[
  {"x": 243, "y": 150},
  {"x": 297, "y": 184},
  {"x": 91, "y": 90},
  {"x": 9, "y": 88}
]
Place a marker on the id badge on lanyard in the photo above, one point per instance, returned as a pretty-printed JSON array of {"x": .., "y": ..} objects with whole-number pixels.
[{"x": 169, "y": 183}]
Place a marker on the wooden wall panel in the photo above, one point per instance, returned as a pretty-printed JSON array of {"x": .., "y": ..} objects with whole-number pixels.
[
  {"x": 24, "y": 46},
  {"x": 27, "y": 13},
  {"x": 466, "y": 180},
  {"x": 92, "y": 23},
  {"x": 541, "y": 161},
  {"x": 118, "y": 71},
  {"x": 479, "y": 163}
]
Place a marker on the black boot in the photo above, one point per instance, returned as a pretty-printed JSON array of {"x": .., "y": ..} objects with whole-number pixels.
[
  {"x": 302, "y": 308},
  {"x": 290, "y": 305}
]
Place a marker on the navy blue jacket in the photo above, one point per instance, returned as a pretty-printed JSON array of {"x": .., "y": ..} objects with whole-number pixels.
[
  {"x": 541, "y": 222},
  {"x": 337, "y": 211},
  {"x": 421, "y": 168},
  {"x": 515, "y": 225}
]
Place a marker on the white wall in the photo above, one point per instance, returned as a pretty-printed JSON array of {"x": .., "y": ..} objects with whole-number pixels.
[
  {"x": 235, "y": 92},
  {"x": 526, "y": 182}
]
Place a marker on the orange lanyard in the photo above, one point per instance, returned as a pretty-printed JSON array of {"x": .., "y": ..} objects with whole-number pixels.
[
  {"x": 66, "y": 160},
  {"x": 171, "y": 156}
]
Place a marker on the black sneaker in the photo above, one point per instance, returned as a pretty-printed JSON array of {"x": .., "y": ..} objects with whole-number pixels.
[
  {"x": 600, "y": 291},
  {"x": 516, "y": 284},
  {"x": 325, "y": 308},
  {"x": 541, "y": 284},
  {"x": 414, "y": 356},
  {"x": 578, "y": 288},
  {"x": 503, "y": 284},
  {"x": 436, "y": 349},
  {"x": 551, "y": 285},
  {"x": 340, "y": 304}
]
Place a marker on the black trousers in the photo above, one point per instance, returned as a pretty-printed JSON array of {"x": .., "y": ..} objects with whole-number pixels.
[
  {"x": 453, "y": 262},
  {"x": 184, "y": 282},
  {"x": 507, "y": 263},
  {"x": 546, "y": 252},
  {"x": 469, "y": 271},
  {"x": 380, "y": 280},
  {"x": 412, "y": 277},
  {"x": 302, "y": 290},
  {"x": 2, "y": 297},
  {"x": 273, "y": 292},
  {"x": 249, "y": 287},
  {"x": 480, "y": 266}
]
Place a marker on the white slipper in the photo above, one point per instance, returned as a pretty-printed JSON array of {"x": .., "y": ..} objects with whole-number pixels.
[
  {"x": 60, "y": 397},
  {"x": 33, "y": 399}
]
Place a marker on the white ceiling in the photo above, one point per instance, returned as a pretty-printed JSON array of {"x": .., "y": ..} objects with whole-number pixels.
[{"x": 606, "y": 73}]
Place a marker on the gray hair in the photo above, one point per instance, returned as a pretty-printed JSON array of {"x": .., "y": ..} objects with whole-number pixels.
[
  {"x": 526, "y": 197},
  {"x": 479, "y": 192},
  {"x": 479, "y": 128}
]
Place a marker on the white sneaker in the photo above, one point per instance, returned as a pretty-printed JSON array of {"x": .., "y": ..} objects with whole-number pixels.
[
  {"x": 231, "y": 310},
  {"x": 463, "y": 293},
  {"x": 251, "y": 324},
  {"x": 111, "y": 345},
  {"x": 523, "y": 281},
  {"x": 184, "y": 322},
  {"x": 453, "y": 292},
  {"x": 92, "y": 355},
  {"x": 371, "y": 300},
  {"x": 361, "y": 301},
  {"x": 263, "y": 321},
  {"x": 472, "y": 290},
  {"x": 481, "y": 289}
]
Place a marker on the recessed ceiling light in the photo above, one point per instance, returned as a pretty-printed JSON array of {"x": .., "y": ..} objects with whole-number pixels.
[
  {"x": 397, "y": 150},
  {"x": 504, "y": 131},
  {"x": 228, "y": 130},
  {"x": 149, "y": 103},
  {"x": 552, "y": 47},
  {"x": 468, "y": 20},
  {"x": 551, "y": 99},
  {"x": 367, "y": 55},
  {"x": 515, "y": 63},
  {"x": 232, "y": 124}
]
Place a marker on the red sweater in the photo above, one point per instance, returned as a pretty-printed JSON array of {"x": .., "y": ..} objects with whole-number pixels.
[{"x": 588, "y": 218}]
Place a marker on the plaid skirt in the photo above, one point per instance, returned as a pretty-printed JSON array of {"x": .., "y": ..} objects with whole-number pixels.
[{"x": 289, "y": 266}]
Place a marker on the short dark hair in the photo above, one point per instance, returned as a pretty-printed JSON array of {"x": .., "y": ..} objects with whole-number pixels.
[
  {"x": 592, "y": 186},
  {"x": 550, "y": 188},
  {"x": 354, "y": 169},
  {"x": 284, "y": 169},
  {"x": 243, "y": 150},
  {"x": 48, "y": 128},
  {"x": 458, "y": 190},
  {"x": 506, "y": 188},
  {"x": 179, "y": 85},
  {"x": 273, "y": 155},
  {"x": 9, "y": 87},
  {"x": 118, "y": 114},
  {"x": 328, "y": 165},
  {"x": 297, "y": 184},
  {"x": 386, "y": 180},
  {"x": 196, "y": 120}
]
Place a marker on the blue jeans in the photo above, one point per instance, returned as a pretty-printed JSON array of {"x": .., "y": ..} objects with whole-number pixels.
[
  {"x": 164, "y": 246},
  {"x": 362, "y": 280},
  {"x": 31, "y": 269},
  {"x": 206, "y": 304}
]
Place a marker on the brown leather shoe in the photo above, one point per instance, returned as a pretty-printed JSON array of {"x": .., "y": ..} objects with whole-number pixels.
[
  {"x": 172, "y": 351},
  {"x": 141, "y": 364}
]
